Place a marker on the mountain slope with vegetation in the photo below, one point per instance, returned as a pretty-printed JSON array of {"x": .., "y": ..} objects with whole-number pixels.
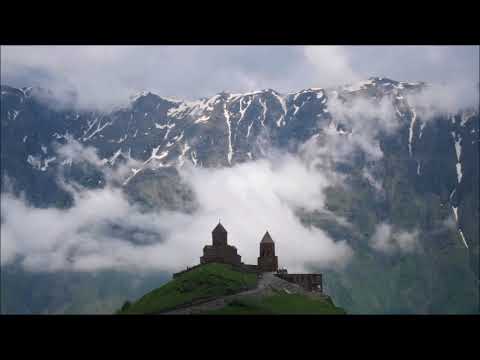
[
  {"x": 280, "y": 304},
  {"x": 222, "y": 289},
  {"x": 202, "y": 283}
]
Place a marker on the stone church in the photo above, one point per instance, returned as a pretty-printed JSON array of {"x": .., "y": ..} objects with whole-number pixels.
[{"x": 220, "y": 252}]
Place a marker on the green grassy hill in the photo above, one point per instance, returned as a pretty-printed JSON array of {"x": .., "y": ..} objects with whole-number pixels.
[
  {"x": 216, "y": 280},
  {"x": 204, "y": 282},
  {"x": 280, "y": 304}
]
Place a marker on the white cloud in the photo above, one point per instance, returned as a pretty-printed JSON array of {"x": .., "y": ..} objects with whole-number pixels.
[
  {"x": 362, "y": 121},
  {"x": 106, "y": 76},
  {"x": 441, "y": 99},
  {"x": 256, "y": 196},
  {"x": 75, "y": 152},
  {"x": 331, "y": 65},
  {"x": 366, "y": 119},
  {"x": 103, "y": 230},
  {"x": 389, "y": 240},
  {"x": 372, "y": 180}
]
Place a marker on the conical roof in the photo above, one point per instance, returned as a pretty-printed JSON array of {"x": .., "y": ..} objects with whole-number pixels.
[
  {"x": 219, "y": 229},
  {"x": 267, "y": 238}
]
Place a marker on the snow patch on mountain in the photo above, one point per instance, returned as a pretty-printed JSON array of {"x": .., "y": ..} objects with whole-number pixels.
[
  {"x": 422, "y": 126},
  {"x": 46, "y": 162},
  {"x": 193, "y": 108},
  {"x": 193, "y": 155},
  {"x": 281, "y": 100},
  {"x": 249, "y": 128},
  {"x": 357, "y": 86},
  {"x": 99, "y": 128},
  {"x": 166, "y": 126},
  {"x": 122, "y": 139},
  {"x": 34, "y": 161},
  {"x": 458, "y": 151},
  {"x": 181, "y": 158},
  {"x": 227, "y": 119},
  {"x": 410, "y": 131},
  {"x": 243, "y": 108},
  {"x": 455, "y": 213},
  {"x": 115, "y": 156},
  {"x": 264, "y": 114},
  {"x": 466, "y": 116},
  {"x": 459, "y": 172},
  {"x": 463, "y": 238},
  {"x": 202, "y": 119}
]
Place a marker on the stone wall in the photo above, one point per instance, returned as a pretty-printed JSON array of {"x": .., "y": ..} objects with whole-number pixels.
[
  {"x": 310, "y": 282},
  {"x": 220, "y": 254},
  {"x": 267, "y": 261},
  {"x": 250, "y": 268}
]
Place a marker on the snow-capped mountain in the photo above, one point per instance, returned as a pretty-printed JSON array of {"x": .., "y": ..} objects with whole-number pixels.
[
  {"x": 428, "y": 169},
  {"x": 218, "y": 131},
  {"x": 172, "y": 132}
]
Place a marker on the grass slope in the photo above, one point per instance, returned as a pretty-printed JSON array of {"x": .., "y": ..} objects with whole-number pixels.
[
  {"x": 280, "y": 304},
  {"x": 207, "y": 281}
]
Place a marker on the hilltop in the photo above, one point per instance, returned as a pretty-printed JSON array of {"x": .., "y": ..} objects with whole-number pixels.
[{"x": 223, "y": 289}]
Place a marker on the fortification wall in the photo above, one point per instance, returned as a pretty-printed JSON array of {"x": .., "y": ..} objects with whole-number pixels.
[
  {"x": 241, "y": 267},
  {"x": 310, "y": 282}
]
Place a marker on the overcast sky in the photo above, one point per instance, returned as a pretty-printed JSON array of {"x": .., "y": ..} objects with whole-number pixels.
[{"x": 107, "y": 75}]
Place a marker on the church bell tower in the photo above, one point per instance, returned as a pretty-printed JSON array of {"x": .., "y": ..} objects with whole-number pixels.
[
  {"x": 219, "y": 236},
  {"x": 267, "y": 261}
]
